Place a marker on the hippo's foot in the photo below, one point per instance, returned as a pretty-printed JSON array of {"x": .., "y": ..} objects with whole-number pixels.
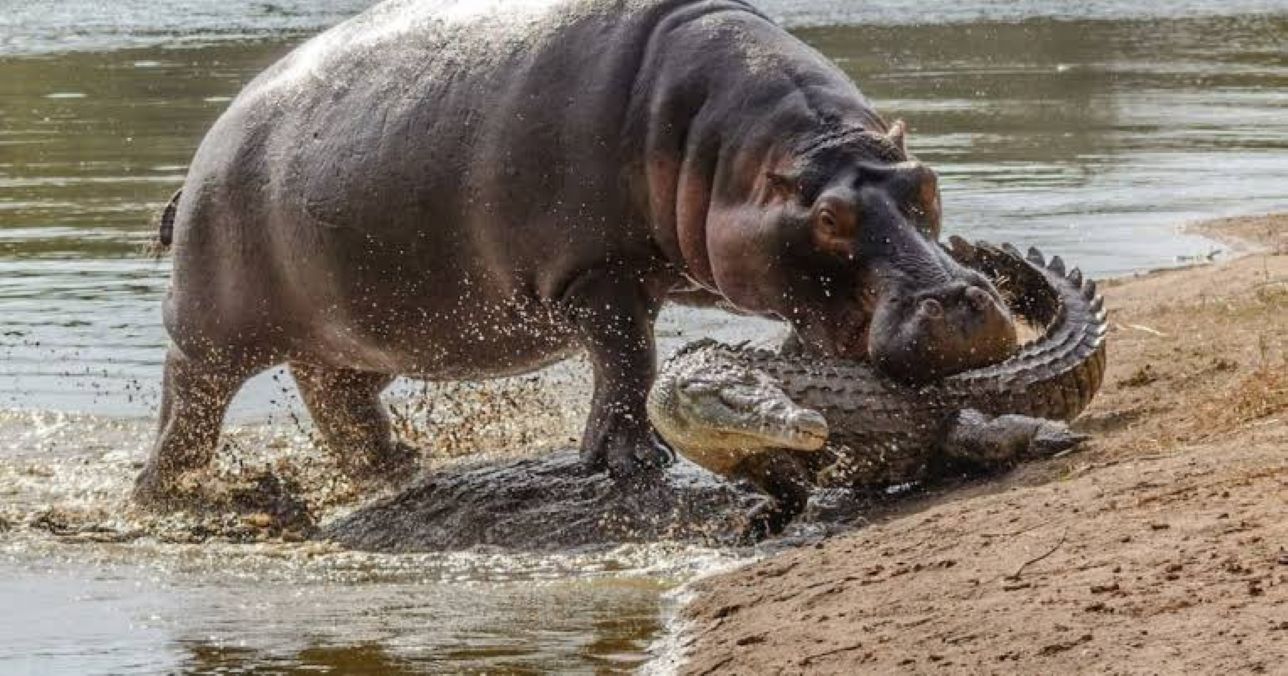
[
  {"x": 153, "y": 494},
  {"x": 354, "y": 425},
  {"x": 639, "y": 460},
  {"x": 627, "y": 449},
  {"x": 157, "y": 492},
  {"x": 392, "y": 467}
]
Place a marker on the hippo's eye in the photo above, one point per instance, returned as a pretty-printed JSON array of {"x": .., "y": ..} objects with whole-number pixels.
[
  {"x": 835, "y": 224},
  {"x": 834, "y": 229}
]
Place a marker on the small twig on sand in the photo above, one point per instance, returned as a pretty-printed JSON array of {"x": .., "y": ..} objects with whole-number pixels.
[
  {"x": 1016, "y": 532},
  {"x": 1110, "y": 463},
  {"x": 717, "y": 666},
  {"x": 1049, "y": 552},
  {"x": 810, "y": 658},
  {"x": 1146, "y": 329}
]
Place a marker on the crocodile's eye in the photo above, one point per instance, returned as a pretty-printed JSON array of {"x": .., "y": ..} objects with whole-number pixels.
[{"x": 698, "y": 387}]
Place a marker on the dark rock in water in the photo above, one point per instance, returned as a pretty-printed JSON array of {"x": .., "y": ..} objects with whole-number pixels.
[{"x": 548, "y": 502}]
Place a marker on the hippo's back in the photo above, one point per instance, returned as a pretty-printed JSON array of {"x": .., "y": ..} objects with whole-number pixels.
[
  {"x": 429, "y": 108},
  {"x": 417, "y": 154}
]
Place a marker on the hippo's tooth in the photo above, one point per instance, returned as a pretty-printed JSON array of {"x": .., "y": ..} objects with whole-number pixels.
[
  {"x": 1035, "y": 256},
  {"x": 1056, "y": 265},
  {"x": 1097, "y": 303},
  {"x": 1075, "y": 276},
  {"x": 1089, "y": 290}
]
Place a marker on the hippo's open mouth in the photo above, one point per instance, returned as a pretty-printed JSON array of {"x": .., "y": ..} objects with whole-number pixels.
[
  {"x": 844, "y": 335},
  {"x": 918, "y": 335},
  {"x": 946, "y": 329}
]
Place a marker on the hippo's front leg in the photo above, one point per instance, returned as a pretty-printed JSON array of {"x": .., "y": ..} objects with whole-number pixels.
[{"x": 614, "y": 318}]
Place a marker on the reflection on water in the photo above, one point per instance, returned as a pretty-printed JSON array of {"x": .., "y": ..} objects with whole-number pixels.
[
  {"x": 1095, "y": 136},
  {"x": 134, "y": 594},
  {"x": 300, "y": 608},
  {"x": 35, "y": 27},
  {"x": 1089, "y": 138}
]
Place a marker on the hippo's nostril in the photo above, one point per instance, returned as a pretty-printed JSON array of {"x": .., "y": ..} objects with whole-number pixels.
[
  {"x": 978, "y": 298},
  {"x": 932, "y": 308}
]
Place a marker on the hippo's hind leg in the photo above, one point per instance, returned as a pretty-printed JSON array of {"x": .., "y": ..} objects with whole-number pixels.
[
  {"x": 195, "y": 394},
  {"x": 354, "y": 425}
]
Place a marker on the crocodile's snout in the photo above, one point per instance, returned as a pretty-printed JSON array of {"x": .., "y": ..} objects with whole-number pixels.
[{"x": 802, "y": 429}]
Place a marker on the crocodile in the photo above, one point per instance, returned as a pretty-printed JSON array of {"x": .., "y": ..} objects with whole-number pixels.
[{"x": 788, "y": 421}]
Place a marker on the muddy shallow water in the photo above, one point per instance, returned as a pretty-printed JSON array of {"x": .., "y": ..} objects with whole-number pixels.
[
  {"x": 170, "y": 595},
  {"x": 1094, "y": 133}
]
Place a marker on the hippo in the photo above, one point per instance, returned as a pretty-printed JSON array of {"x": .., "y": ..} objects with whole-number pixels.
[{"x": 465, "y": 190}]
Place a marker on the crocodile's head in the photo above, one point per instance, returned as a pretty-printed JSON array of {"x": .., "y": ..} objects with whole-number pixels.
[{"x": 717, "y": 411}]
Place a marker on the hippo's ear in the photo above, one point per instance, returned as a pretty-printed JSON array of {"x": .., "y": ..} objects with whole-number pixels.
[{"x": 898, "y": 135}]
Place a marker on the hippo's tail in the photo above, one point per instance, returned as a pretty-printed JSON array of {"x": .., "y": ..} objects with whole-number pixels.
[{"x": 165, "y": 229}]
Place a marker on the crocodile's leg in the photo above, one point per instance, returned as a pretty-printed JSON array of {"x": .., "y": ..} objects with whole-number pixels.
[
  {"x": 784, "y": 477},
  {"x": 987, "y": 441}
]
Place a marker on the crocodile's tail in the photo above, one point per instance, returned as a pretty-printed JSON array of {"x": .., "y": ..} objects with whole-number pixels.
[
  {"x": 165, "y": 229},
  {"x": 1056, "y": 375}
]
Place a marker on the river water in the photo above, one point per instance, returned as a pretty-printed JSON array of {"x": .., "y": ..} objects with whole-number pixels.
[{"x": 1094, "y": 131}]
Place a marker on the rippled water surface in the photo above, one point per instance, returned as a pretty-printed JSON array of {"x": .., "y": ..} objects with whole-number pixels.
[{"x": 1094, "y": 130}]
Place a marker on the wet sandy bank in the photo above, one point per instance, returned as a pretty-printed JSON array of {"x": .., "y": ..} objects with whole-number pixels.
[{"x": 1162, "y": 546}]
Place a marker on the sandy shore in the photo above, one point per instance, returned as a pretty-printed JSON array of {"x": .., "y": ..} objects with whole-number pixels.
[{"x": 1161, "y": 547}]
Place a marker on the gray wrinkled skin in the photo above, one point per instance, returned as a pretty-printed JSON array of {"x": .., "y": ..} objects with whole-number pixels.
[{"x": 461, "y": 190}]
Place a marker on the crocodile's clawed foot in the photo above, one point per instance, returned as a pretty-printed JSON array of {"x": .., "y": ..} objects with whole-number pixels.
[
  {"x": 988, "y": 441},
  {"x": 763, "y": 521},
  {"x": 1054, "y": 437}
]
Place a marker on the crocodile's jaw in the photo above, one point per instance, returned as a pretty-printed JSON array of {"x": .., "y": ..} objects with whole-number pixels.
[
  {"x": 717, "y": 416},
  {"x": 713, "y": 442}
]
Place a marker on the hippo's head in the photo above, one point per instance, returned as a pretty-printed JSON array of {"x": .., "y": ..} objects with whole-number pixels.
[{"x": 842, "y": 242}]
